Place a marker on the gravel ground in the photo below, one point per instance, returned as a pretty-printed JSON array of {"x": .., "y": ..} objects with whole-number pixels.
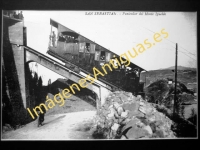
[
  {"x": 75, "y": 125},
  {"x": 69, "y": 122}
]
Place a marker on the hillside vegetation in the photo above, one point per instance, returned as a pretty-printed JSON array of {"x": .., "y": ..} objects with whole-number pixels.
[
  {"x": 184, "y": 75},
  {"x": 162, "y": 93}
]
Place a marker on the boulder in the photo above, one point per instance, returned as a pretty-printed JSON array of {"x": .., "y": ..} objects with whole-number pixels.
[
  {"x": 115, "y": 127},
  {"x": 124, "y": 114},
  {"x": 116, "y": 105},
  {"x": 158, "y": 134},
  {"x": 123, "y": 137},
  {"x": 135, "y": 133},
  {"x": 120, "y": 110},
  {"x": 148, "y": 128},
  {"x": 118, "y": 100},
  {"x": 151, "y": 118},
  {"x": 131, "y": 107}
]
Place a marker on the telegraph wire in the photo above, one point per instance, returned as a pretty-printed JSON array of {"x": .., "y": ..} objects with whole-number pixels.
[
  {"x": 172, "y": 42},
  {"x": 187, "y": 55},
  {"x": 188, "y": 51}
]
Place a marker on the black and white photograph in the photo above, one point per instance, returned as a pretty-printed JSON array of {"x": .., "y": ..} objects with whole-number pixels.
[{"x": 98, "y": 75}]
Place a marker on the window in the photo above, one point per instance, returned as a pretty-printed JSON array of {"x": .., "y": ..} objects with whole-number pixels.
[
  {"x": 103, "y": 55},
  {"x": 87, "y": 46}
]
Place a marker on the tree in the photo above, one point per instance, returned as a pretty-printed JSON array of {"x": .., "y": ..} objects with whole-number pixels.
[
  {"x": 157, "y": 90},
  {"x": 39, "y": 86}
]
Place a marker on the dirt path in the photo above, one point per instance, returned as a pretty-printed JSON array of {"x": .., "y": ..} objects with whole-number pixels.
[{"x": 75, "y": 125}]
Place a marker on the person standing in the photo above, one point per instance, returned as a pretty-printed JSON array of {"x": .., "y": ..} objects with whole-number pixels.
[
  {"x": 41, "y": 117},
  {"x": 53, "y": 37},
  {"x": 20, "y": 15}
]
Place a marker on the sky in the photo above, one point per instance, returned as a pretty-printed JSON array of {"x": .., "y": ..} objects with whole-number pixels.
[{"x": 119, "y": 33}]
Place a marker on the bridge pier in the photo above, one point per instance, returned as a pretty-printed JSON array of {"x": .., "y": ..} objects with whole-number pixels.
[{"x": 14, "y": 69}]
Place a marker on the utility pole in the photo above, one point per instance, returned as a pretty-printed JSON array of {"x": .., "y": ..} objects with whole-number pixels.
[{"x": 175, "y": 102}]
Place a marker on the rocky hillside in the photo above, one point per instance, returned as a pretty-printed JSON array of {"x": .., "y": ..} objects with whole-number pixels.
[{"x": 124, "y": 116}]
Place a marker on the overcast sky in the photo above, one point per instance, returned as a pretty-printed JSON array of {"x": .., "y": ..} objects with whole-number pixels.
[{"x": 120, "y": 33}]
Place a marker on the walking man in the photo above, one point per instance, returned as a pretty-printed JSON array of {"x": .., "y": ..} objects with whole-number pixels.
[{"x": 41, "y": 117}]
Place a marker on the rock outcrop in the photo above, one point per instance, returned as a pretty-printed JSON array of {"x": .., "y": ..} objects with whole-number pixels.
[{"x": 124, "y": 116}]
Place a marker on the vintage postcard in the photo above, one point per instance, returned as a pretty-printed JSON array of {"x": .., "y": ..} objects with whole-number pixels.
[{"x": 98, "y": 75}]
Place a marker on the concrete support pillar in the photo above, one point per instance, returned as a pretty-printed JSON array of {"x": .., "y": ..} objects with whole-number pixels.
[
  {"x": 18, "y": 53},
  {"x": 13, "y": 57}
]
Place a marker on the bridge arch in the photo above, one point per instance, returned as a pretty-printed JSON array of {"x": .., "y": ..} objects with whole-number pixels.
[{"x": 34, "y": 56}]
